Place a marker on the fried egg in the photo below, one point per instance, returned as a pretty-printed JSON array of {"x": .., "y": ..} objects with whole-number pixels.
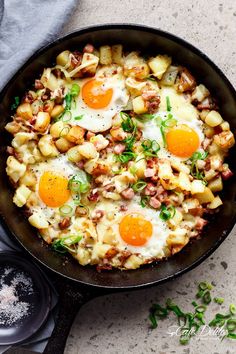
[
  {"x": 51, "y": 189},
  {"x": 185, "y": 137},
  {"x": 138, "y": 230},
  {"x": 101, "y": 97}
]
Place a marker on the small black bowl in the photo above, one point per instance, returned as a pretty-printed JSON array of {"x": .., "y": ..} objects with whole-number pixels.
[{"x": 38, "y": 298}]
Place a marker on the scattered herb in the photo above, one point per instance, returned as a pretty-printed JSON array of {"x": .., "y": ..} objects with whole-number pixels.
[
  {"x": 126, "y": 156},
  {"x": 219, "y": 300},
  {"x": 167, "y": 212},
  {"x": 169, "y": 122},
  {"x": 194, "y": 168},
  {"x": 16, "y": 103},
  {"x": 65, "y": 210},
  {"x": 64, "y": 244},
  {"x": 79, "y": 117},
  {"x": 168, "y": 105},
  {"x": 69, "y": 97},
  {"x": 139, "y": 186},
  {"x": 232, "y": 309},
  {"x": 128, "y": 124},
  {"x": 144, "y": 200},
  {"x": 79, "y": 183},
  {"x": 146, "y": 117},
  {"x": 150, "y": 148}
]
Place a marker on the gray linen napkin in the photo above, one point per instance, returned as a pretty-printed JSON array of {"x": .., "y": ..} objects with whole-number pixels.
[{"x": 25, "y": 26}]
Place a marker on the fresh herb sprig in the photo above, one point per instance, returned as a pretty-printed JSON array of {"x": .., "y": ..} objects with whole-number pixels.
[{"x": 129, "y": 126}]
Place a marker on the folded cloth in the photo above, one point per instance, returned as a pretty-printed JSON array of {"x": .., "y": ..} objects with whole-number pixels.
[{"x": 25, "y": 26}]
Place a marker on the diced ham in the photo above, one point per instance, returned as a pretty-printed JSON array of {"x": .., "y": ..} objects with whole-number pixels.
[
  {"x": 97, "y": 215},
  {"x": 150, "y": 189},
  {"x": 200, "y": 223},
  {"x": 119, "y": 148},
  {"x": 154, "y": 202},
  {"x": 149, "y": 172},
  {"x": 89, "y": 48},
  {"x": 227, "y": 174},
  {"x": 128, "y": 193}
]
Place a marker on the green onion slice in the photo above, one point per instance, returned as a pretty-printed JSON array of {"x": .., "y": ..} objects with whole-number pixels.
[
  {"x": 167, "y": 212},
  {"x": 65, "y": 210},
  {"x": 139, "y": 186}
]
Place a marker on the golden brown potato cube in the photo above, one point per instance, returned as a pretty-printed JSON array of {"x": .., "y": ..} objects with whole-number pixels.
[
  {"x": 63, "y": 144},
  {"x": 63, "y": 58},
  {"x": 225, "y": 140},
  {"x": 42, "y": 121},
  {"x": 216, "y": 185},
  {"x": 139, "y": 106},
  {"x": 76, "y": 135},
  {"x": 57, "y": 110},
  {"x": 206, "y": 197},
  {"x": 159, "y": 65},
  {"x": 117, "y": 55},
  {"x": 213, "y": 119},
  {"x": 105, "y": 55},
  {"x": 24, "y": 111}
]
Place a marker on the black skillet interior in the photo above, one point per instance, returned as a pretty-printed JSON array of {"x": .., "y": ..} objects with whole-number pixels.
[{"x": 151, "y": 41}]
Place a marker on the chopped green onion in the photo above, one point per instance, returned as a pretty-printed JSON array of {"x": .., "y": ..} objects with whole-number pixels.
[
  {"x": 231, "y": 335},
  {"x": 65, "y": 209},
  {"x": 64, "y": 244},
  {"x": 64, "y": 131},
  {"x": 129, "y": 142},
  {"x": 128, "y": 124},
  {"x": 66, "y": 116},
  {"x": 173, "y": 307},
  {"x": 150, "y": 148},
  {"x": 232, "y": 309},
  {"x": 169, "y": 122},
  {"x": 206, "y": 297},
  {"x": 194, "y": 304},
  {"x": 204, "y": 286},
  {"x": 167, "y": 212},
  {"x": 75, "y": 90},
  {"x": 219, "y": 300},
  {"x": 126, "y": 156},
  {"x": 79, "y": 117},
  {"x": 231, "y": 325},
  {"x": 139, "y": 186},
  {"x": 79, "y": 183},
  {"x": 16, "y": 103},
  {"x": 151, "y": 78},
  {"x": 184, "y": 339},
  {"x": 145, "y": 117},
  {"x": 144, "y": 200},
  {"x": 200, "y": 308},
  {"x": 168, "y": 105},
  {"x": 194, "y": 169}
]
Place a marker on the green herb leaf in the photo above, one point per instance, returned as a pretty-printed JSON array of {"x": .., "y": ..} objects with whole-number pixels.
[
  {"x": 144, "y": 200},
  {"x": 139, "y": 186},
  {"x": 126, "y": 156},
  {"x": 219, "y": 300},
  {"x": 79, "y": 117},
  {"x": 167, "y": 212},
  {"x": 128, "y": 124},
  {"x": 232, "y": 309},
  {"x": 63, "y": 245},
  {"x": 16, "y": 103},
  {"x": 75, "y": 90},
  {"x": 150, "y": 148},
  {"x": 168, "y": 105}
]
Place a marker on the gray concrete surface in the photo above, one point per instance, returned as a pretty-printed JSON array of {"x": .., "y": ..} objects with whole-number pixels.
[{"x": 118, "y": 323}]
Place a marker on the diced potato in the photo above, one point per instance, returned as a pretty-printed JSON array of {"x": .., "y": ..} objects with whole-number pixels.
[
  {"x": 74, "y": 155},
  {"x": 57, "y": 110},
  {"x": 22, "y": 138},
  {"x": 76, "y": 135},
  {"x": 205, "y": 197},
  {"x": 190, "y": 203},
  {"x": 159, "y": 65},
  {"x": 180, "y": 166},
  {"x": 12, "y": 127},
  {"x": 21, "y": 195},
  {"x": 164, "y": 169},
  {"x": 83, "y": 256},
  {"x": 117, "y": 54},
  {"x": 215, "y": 203},
  {"x": 216, "y": 162},
  {"x": 47, "y": 147},
  {"x": 224, "y": 140},
  {"x": 36, "y": 106},
  {"x": 42, "y": 121},
  {"x": 213, "y": 119},
  {"x": 28, "y": 179},
  {"x": 176, "y": 219},
  {"x": 203, "y": 114},
  {"x": 88, "y": 65},
  {"x": 49, "y": 80},
  {"x": 225, "y": 126},
  {"x": 111, "y": 195},
  {"x": 133, "y": 262},
  {"x": 138, "y": 167},
  {"x": 214, "y": 148},
  {"x": 184, "y": 182},
  {"x": 63, "y": 145},
  {"x": 57, "y": 129},
  {"x": 200, "y": 93},
  {"x": 88, "y": 150},
  {"x": 24, "y": 111},
  {"x": 105, "y": 55},
  {"x": 135, "y": 66},
  {"x": 63, "y": 58},
  {"x": 209, "y": 132},
  {"x": 177, "y": 239},
  {"x": 48, "y": 106},
  {"x": 197, "y": 186},
  {"x": 99, "y": 142},
  {"x": 38, "y": 220},
  {"x": 216, "y": 185},
  {"x": 15, "y": 170},
  {"x": 169, "y": 77},
  {"x": 99, "y": 250},
  {"x": 210, "y": 174},
  {"x": 139, "y": 106},
  {"x": 134, "y": 86}
]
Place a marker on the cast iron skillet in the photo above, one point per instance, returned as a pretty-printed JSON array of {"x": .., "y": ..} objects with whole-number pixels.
[{"x": 148, "y": 40}]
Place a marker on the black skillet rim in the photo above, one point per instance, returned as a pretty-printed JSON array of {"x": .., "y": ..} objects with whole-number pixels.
[{"x": 165, "y": 34}]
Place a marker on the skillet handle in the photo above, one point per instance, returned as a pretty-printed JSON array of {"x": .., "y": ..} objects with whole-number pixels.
[{"x": 72, "y": 297}]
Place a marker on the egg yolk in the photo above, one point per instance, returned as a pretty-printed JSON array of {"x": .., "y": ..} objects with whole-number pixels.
[
  {"x": 95, "y": 95},
  {"x": 135, "y": 230},
  {"x": 53, "y": 189},
  {"x": 182, "y": 141}
]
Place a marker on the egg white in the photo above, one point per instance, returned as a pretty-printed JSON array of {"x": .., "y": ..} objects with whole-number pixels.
[
  {"x": 154, "y": 247},
  {"x": 99, "y": 120}
]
